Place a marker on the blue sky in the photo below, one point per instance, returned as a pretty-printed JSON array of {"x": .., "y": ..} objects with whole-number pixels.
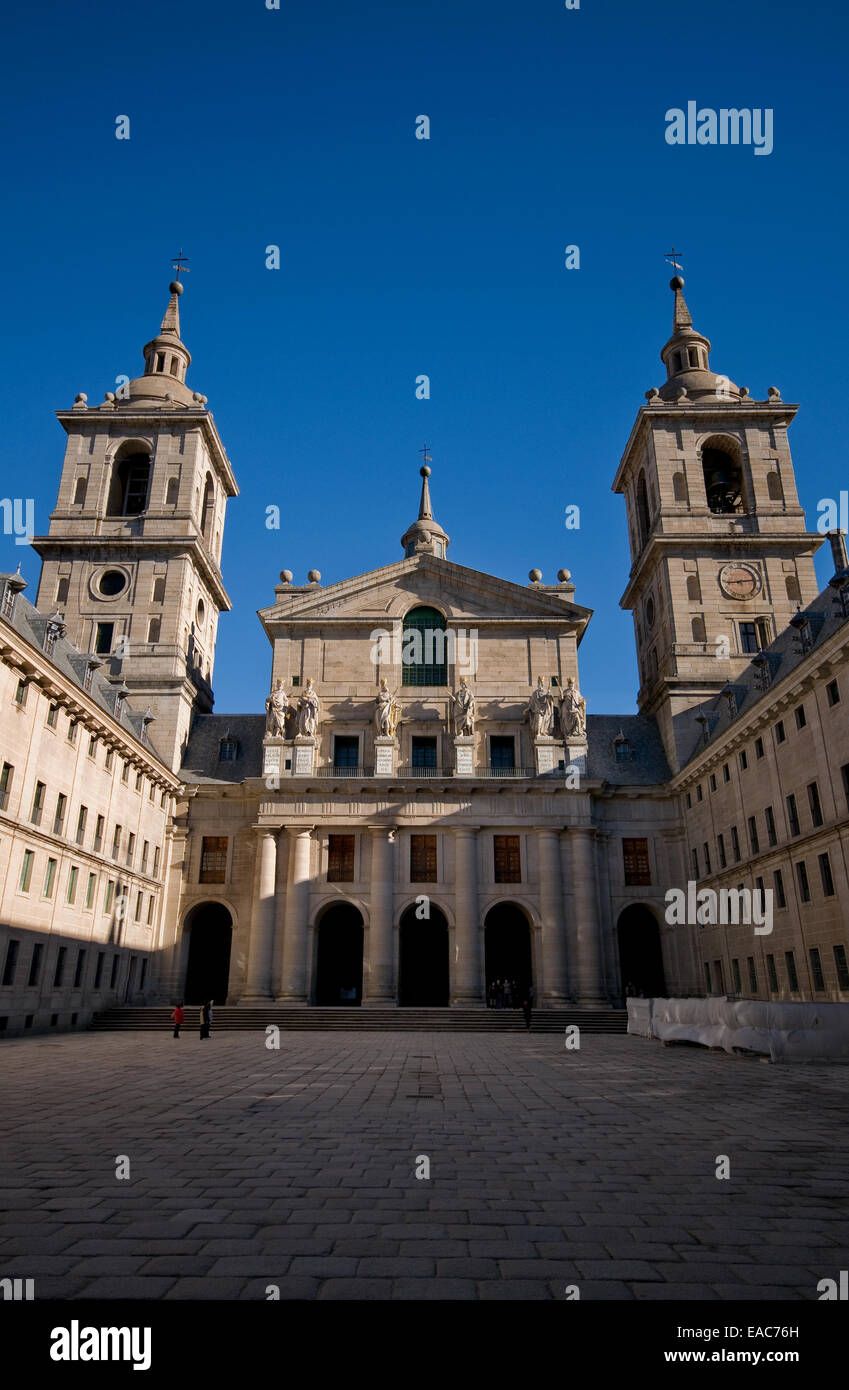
[{"x": 295, "y": 127}]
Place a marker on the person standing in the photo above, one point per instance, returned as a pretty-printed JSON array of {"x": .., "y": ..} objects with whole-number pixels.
[
  {"x": 178, "y": 1017},
  {"x": 205, "y": 1018},
  {"x": 527, "y": 1010}
]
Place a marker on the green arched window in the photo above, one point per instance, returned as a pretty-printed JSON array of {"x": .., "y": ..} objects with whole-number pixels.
[{"x": 424, "y": 656}]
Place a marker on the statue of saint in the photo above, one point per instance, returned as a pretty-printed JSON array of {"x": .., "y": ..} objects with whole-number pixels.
[
  {"x": 540, "y": 711},
  {"x": 573, "y": 711},
  {"x": 464, "y": 710},
  {"x": 309, "y": 709},
  {"x": 386, "y": 711},
  {"x": 276, "y": 707}
]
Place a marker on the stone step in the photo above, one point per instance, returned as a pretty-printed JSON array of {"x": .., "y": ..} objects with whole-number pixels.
[{"x": 251, "y": 1017}]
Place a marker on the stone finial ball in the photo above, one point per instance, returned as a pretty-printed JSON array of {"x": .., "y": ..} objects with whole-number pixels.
[
  {"x": 314, "y": 576},
  {"x": 175, "y": 287},
  {"x": 564, "y": 576},
  {"x": 82, "y": 398},
  {"x": 110, "y": 396},
  {"x": 285, "y": 576},
  {"x": 535, "y": 576},
  {"x": 424, "y": 471},
  {"x": 677, "y": 282}
]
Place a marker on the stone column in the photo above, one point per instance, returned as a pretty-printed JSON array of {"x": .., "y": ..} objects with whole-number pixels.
[
  {"x": 555, "y": 989},
  {"x": 467, "y": 985},
  {"x": 588, "y": 959},
  {"x": 293, "y": 987},
  {"x": 261, "y": 944},
  {"x": 285, "y": 852},
  {"x": 379, "y": 984}
]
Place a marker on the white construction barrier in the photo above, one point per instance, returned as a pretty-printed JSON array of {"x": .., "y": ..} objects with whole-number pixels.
[{"x": 784, "y": 1032}]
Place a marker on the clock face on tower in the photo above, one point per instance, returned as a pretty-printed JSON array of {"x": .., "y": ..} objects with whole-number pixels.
[{"x": 739, "y": 581}]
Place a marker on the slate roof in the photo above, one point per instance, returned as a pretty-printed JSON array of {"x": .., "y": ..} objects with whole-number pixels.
[
  {"x": 201, "y": 762},
  {"x": 785, "y": 655},
  {"x": 647, "y": 766},
  {"x": 72, "y": 664}
]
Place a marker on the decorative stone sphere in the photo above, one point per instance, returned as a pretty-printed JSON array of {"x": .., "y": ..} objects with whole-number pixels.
[
  {"x": 652, "y": 394},
  {"x": 677, "y": 282},
  {"x": 81, "y": 398},
  {"x": 564, "y": 576},
  {"x": 285, "y": 576},
  {"x": 535, "y": 576},
  {"x": 424, "y": 471},
  {"x": 110, "y": 396},
  {"x": 314, "y": 576},
  {"x": 175, "y": 287},
  {"x": 774, "y": 392}
]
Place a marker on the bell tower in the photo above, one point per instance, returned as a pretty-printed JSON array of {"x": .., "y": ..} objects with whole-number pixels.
[
  {"x": 721, "y": 556},
  {"x": 132, "y": 554}
]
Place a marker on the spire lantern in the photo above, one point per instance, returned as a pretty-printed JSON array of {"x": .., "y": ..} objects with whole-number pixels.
[
  {"x": 425, "y": 536},
  {"x": 166, "y": 358},
  {"x": 686, "y": 357}
]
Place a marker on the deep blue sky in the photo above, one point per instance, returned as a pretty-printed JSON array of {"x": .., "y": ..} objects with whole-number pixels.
[{"x": 401, "y": 256}]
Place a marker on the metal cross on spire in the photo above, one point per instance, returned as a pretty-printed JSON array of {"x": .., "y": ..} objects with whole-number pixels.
[
  {"x": 673, "y": 258},
  {"x": 180, "y": 263},
  {"x": 426, "y": 458}
]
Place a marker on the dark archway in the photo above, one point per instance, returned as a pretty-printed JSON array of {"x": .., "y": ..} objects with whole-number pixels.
[
  {"x": 339, "y": 964},
  {"x": 210, "y": 929},
  {"x": 507, "y": 937},
  {"x": 640, "y": 954},
  {"x": 423, "y": 959}
]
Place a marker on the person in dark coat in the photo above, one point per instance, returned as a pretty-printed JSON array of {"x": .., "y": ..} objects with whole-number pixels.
[
  {"x": 206, "y": 1019},
  {"x": 179, "y": 1016},
  {"x": 527, "y": 1010}
]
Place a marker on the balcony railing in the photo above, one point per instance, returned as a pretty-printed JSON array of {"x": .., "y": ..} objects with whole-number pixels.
[
  {"x": 423, "y": 772},
  {"x": 505, "y": 772},
  {"x": 344, "y": 771}
]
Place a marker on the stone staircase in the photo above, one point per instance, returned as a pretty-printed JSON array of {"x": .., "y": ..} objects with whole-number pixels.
[{"x": 250, "y": 1017}]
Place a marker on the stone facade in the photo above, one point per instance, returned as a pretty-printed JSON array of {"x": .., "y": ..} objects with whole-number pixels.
[{"x": 425, "y": 806}]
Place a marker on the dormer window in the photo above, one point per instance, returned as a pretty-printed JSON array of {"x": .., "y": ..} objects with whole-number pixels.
[
  {"x": 228, "y": 749},
  {"x": 9, "y": 594},
  {"x": 623, "y": 749}
]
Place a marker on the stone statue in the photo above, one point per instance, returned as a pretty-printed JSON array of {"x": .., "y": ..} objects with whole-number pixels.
[
  {"x": 464, "y": 710},
  {"x": 309, "y": 709},
  {"x": 276, "y": 709},
  {"x": 573, "y": 711},
  {"x": 540, "y": 711},
  {"x": 386, "y": 711}
]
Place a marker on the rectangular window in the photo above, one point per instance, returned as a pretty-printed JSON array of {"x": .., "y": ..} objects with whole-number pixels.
[
  {"x": 744, "y": 760},
  {"x": 720, "y": 976},
  {"x": 695, "y": 861},
  {"x": 346, "y": 750},
  {"x": 52, "y": 716},
  {"x": 125, "y": 772},
  {"x": 35, "y": 965},
  {"x": 73, "y": 730},
  {"x": 770, "y": 826},
  {"x": 98, "y": 834},
  {"x": 38, "y": 803},
  {"x": 116, "y": 842},
  {"x": 81, "y": 820},
  {"x": 759, "y": 747},
  {"x": 735, "y": 844},
  {"x": 78, "y": 969},
  {"x": 72, "y": 883},
  {"x": 92, "y": 746},
  {"x": 826, "y": 875},
  {"x": 753, "y": 835},
  {"x": 772, "y": 974},
  {"x": 144, "y": 854},
  {"x": 792, "y": 814},
  {"x": 131, "y": 849},
  {"x": 423, "y": 868},
  {"x": 98, "y": 969},
  {"x": 6, "y": 776},
  {"x": 113, "y": 974},
  {"x": 713, "y": 781},
  {"x": 792, "y": 977},
  {"x": 508, "y": 864},
  {"x": 832, "y": 691},
  {"x": 753, "y": 974},
  {"x": 689, "y": 800},
  {"x": 139, "y": 902},
  {"x": 802, "y": 880},
  {"x": 11, "y": 962},
  {"x": 21, "y": 693},
  {"x": 424, "y": 752},
  {"x": 109, "y": 759},
  {"x": 139, "y": 781},
  {"x": 707, "y": 978},
  {"x": 59, "y": 818},
  {"x": 502, "y": 751},
  {"x": 90, "y": 889},
  {"x": 156, "y": 862},
  {"x": 26, "y": 870},
  {"x": 816, "y": 969},
  {"x": 213, "y": 859},
  {"x": 842, "y": 967},
  {"x": 726, "y": 773},
  {"x": 108, "y": 895},
  {"x": 340, "y": 858},
  {"x": 780, "y": 735},
  {"x": 778, "y": 882},
  {"x": 759, "y": 884},
  {"x": 103, "y": 638},
  {"x": 735, "y": 974},
  {"x": 720, "y": 845},
  {"x": 699, "y": 792},
  {"x": 635, "y": 855},
  {"x": 801, "y": 717},
  {"x": 59, "y": 972},
  {"x": 706, "y": 853},
  {"x": 151, "y": 791},
  {"x": 150, "y": 909},
  {"x": 814, "y": 803},
  {"x": 49, "y": 878},
  {"x": 748, "y": 637}
]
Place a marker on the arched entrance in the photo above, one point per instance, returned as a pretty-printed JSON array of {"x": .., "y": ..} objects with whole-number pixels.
[
  {"x": 423, "y": 959},
  {"x": 640, "y": 954},
  {"x": 507, "y": 938},
  {"x": 339, "y": 961},
  {"x": 210, "y": 930}
]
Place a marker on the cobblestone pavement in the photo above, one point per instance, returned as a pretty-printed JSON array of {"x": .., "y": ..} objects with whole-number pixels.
[{"x": 296, "y": 1167}]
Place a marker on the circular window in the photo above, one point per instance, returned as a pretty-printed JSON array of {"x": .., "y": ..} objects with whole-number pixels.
[
  {"x": 650, "y": 611},
  {"x": 200, "y": 612},
  {"x": 111, "y": 583}
]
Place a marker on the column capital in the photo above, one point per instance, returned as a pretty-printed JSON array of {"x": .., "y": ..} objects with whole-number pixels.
[
  {"x": 298, "y": 830},
  {"x": 466, "y": 829},
  {"x": 389, "y": 830}
]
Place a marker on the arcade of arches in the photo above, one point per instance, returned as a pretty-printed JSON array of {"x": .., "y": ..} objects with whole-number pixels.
[
  {"x": 640, "y": 954},
  {"x": 209, "y": 928}
]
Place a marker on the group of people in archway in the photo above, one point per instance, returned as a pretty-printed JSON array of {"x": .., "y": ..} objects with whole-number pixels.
[{"x": 503, "y": 994}]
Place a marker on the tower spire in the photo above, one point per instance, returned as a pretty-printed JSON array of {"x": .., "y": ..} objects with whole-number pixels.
[
  {"x": 425, "y": 536},
  {"x": 686, "y": 357},
  {"x": 166, "y": 357}
]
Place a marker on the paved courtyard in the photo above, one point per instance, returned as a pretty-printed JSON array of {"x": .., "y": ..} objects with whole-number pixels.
[{"x": 297, "y": 1168}]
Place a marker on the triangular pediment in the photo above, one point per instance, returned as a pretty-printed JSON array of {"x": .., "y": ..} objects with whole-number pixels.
[{"x": 462, "y": 594}]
